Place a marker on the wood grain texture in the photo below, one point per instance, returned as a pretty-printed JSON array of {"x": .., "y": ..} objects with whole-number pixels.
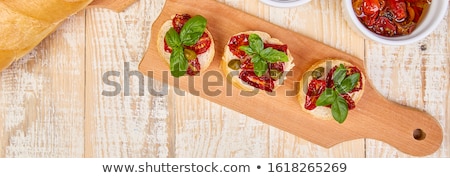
[
  {"x": 41, "y": 97},
  {"x": 115, "y": 5},
  {"x": 130, "y": 123},
  {"x": 59, "y": 109},
  {"x": 415, "y": 75}
]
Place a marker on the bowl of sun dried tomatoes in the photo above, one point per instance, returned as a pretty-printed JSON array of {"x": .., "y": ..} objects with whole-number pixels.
[{"x": 394, "y": 22}]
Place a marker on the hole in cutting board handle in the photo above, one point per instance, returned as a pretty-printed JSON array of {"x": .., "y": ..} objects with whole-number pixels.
[{"x": 419, "y": 134}]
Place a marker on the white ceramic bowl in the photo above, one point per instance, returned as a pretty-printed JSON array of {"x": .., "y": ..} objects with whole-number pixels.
[
  {"x": 285, "y": 3},
  {"x": 430, "y": 21}
]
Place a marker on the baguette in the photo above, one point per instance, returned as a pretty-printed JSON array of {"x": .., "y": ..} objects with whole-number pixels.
[
  {"x": 324, "y": 112},
  {"x": 204, "y": 58},
  {"x": 25, "y": 23},
  {"x": 233, "y": 76}
]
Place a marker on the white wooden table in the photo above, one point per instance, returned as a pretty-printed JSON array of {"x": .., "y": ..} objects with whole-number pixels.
[{"x": 51, "y": 102}]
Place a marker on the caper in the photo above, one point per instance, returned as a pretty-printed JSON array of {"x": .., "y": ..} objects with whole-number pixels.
[
  {"x": 318, "y": 72},
  {"x": 190, "y": 54},
  {"x": 275, "y": 74},
  {"x": 234, "y": 64}
]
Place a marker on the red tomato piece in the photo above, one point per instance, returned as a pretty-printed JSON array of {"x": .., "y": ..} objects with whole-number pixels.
[
  {"x": 193, "y": 67},
  {"x": 398, "y": 8},
  {"x": 282, "y": 48},
  {"x": 202, "y": 44},
  {"x": 353, "y": 70},
  {"x": 167, "y": 48},
  {"x": 248, "y": 75},
  {"x": 315, "y": 89},
  {"x": 383, "y": 26},
  {"x": 351, "y": 104},
  {"x": 350, "y": 71},
  {"x": 418, "y": 11},
  {"x": 279, "y": 66},
  {"x": 179, "y": 20},
  {"x": 236, "y": 42},
  {"x": 329, "y": 79},
  {"x": 371, "y": 7}
]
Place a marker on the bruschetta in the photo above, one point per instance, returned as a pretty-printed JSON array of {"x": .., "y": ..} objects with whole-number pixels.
[
  {"x": 254, "y": 61},
  {"x": 186, "y": 45},
  {"x": 330, "y": 88}
]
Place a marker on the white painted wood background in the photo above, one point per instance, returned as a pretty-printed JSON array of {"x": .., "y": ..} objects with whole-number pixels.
[{"x": 51, "y": 103}]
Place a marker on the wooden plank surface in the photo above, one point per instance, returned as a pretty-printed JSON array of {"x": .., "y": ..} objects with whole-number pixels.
[
  {"x": 116, "y": 5},
  {"x": 128, "y": 123},
  {"x": 42, "y": 97},
  {"x": 83, "y": 123}
]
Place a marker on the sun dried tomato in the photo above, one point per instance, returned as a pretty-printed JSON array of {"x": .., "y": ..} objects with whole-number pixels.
[
  {"x": 202, "y": 44},
  {"x": 179, "y": 20},
  {"x": 398, "y": 8},
  {"x": 353, "y": 70},
  {"x": 279, "y": 66},
  {"x": 193, "y": 67},
  {"x": 371, "y": 7},
  {"x": 167, "y": 48},
  {"x": 315, "y": 88},
  {"x": 351, "y": 104},
  {"x": 350, "y": 71},
  {"x": 248, "y": 75},
  {"x": 389, "y": 17},
  {"x": 236, "y": 42},
  {"x": 282, "y": 48},
  {"x": 383, "y": 26}
]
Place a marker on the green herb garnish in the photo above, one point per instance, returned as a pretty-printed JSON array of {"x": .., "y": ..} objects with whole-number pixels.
[
  {"x": 260, "y": 56},
  {"x": 189, "y": 35},
  {"x": 332, "y": 96}
]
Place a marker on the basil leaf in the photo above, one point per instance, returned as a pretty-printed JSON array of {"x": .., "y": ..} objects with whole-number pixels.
[
  {"x": 327, "y": 97},
  {"x": 339, "y": 109},
  {"x": 339, "y": 75},
  {"x": 349, "y": 83},
  {"x": 248, "y": 50},
  {"x": 260, "y": 67},
  {"x": 172, "y": 38},
  {"x": 261, "y": 56},
  {"x": 271, "y": 55},
  {"x": 256, "y": 43},
  {"x": 178, "y": 62},
  {"x": 256, "y": 58},
  {"x": 192, "y": 30},
  {"x": 340, "y": 89}
]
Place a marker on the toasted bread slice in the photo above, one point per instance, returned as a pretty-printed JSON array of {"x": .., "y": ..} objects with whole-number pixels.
[
  {"x": 204, "y": 59},
  {"x": 322, "y": 112},
  {"x": 233, "y": 75}
]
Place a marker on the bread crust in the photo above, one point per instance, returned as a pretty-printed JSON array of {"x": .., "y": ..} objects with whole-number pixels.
[
  {"x": 26, "y": 23},
  {"x": 233, "y": 75},
  {"x": 322, "y": 112},
  {"x": 204, "y": 59}
]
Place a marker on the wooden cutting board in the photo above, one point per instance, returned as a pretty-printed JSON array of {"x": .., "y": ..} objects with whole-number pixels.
[{"x": 409, "y": 130}]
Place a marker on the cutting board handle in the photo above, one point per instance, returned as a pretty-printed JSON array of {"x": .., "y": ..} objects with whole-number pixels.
[{"x": 408, "y": 129}]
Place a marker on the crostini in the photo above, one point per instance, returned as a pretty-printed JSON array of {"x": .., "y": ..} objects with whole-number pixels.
[
  {"x": 330, "y": 88},
  {"x": 254, "y": 61},
  {"x": 186, "y": 44}
]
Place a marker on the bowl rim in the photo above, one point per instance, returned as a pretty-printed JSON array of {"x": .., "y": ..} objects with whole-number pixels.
[
  {"x": 285, "y": 4},
  {"x": 428, "y": 24}
]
